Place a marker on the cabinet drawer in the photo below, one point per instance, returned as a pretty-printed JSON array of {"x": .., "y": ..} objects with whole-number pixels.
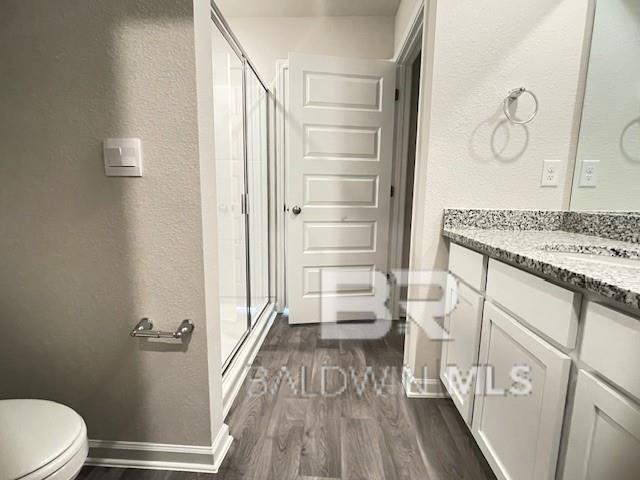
[
  {"x": 604, "y": 435},
  {"x": 611, "y": 346},
  {"x": 469, "y": 266},
  {"x": 460, "y": 352},
  {"x": 551, "y": 309},
  {"x": 519, "y": 434}
]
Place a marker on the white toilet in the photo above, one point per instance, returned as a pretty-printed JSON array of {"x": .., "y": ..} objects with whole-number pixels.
[{"x": 40, "y": 440}]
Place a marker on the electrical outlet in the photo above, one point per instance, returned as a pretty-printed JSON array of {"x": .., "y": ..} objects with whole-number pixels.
[
  {"x": 550, "y": 173},
  {"x": 589, "y": 173}
]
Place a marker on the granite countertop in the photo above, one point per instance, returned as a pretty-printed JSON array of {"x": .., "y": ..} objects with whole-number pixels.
[{"x": 545, "y": 248}]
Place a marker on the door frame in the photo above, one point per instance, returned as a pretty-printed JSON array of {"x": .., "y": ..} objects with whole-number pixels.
[
  {"x": 409, "y": 50},
  {"x": 281, "y": 88}
]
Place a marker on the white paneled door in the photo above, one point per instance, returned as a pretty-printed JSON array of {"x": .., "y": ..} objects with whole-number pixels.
[{"x": 340, "y": 128}]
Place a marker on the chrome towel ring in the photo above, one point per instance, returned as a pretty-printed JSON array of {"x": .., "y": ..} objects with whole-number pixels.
[{"x": 512, "y": 97}]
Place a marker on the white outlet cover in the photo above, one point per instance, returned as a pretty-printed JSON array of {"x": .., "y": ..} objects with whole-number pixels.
[
  {"x": 589, "y": 173},
  {"x": 550, "y": 173}
]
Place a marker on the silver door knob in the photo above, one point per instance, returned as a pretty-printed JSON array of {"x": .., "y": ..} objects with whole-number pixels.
[{"x": 296, "y": 210}]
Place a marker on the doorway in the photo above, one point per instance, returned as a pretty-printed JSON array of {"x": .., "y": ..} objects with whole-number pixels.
[{"x": 407, "y": 210}]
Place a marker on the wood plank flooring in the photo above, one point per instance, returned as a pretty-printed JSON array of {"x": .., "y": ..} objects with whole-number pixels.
[{"x": 283, "y": 428}]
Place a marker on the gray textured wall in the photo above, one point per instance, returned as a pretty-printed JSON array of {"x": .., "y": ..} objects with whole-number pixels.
[{"x": 83, "y": 256}]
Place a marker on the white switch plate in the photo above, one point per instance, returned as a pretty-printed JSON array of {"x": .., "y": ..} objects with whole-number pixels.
[
  {"x": 122, "y": 157},
  {"x": 589, "y": 173},
  {"x": 550, "y": 173}
]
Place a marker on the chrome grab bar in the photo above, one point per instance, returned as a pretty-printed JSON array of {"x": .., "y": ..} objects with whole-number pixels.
[{"x": 144, "y": 326}]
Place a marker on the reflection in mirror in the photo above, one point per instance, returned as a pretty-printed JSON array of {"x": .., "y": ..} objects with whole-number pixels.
[{"x": 607, "y": 170}]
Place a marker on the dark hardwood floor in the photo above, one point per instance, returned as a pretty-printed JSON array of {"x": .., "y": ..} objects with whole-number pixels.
[{"x": 284, "y": 429}]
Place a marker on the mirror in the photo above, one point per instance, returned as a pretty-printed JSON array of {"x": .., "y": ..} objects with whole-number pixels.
[{"x": 607, "y": 168}]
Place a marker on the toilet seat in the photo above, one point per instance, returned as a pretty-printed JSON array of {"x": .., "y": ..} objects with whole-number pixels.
[{"x": 40, "y": 440}]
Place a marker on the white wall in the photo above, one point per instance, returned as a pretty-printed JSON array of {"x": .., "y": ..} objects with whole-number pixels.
[
  {"x": 83, "y": 256},
  {"x": 268, "y": 39},
  {"x": 470, "y": 156},
  {"x": 610, "y": 128},
  {"x": 202, "y": 26}
]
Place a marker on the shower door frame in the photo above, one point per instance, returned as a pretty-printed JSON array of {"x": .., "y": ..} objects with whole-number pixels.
[{"x": 220, "y": 23}]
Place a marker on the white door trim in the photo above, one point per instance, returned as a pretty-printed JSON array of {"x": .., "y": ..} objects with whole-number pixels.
[
  {"x": 414, "y": 29},
  {"x": 411, "y": 47},
  {"x": 414, "y": 25},
  {"x": 281, "y": 96},
  {"x": 426, "y": 20}
]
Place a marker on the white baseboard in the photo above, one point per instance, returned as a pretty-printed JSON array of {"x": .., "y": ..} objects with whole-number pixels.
[
  {"x": 221, "y": 445},
  {"x": 423, "y": 388},
  {"x": 150, "y": 465},
  {"x": 160, "y": 456},
  {"x": 188, "y": 458},
  {"x": 237, "y": 371}
]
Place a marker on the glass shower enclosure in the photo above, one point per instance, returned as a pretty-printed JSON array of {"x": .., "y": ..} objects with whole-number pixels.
[{"x": 242, "y": 183}]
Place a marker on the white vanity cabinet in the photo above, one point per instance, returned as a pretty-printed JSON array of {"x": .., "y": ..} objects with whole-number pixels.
[
  {"x": 460, "y": 352},
  {"x": 519, "y": 432},
  {"x": 611, "y": 346},
  {"x": 543, "y": 306},
  {"x": 604, "y": 433},
  {"x": 604, "y": 438},
  {"x": 468, "y": 266},
  {"x": 506, "y": 317}
]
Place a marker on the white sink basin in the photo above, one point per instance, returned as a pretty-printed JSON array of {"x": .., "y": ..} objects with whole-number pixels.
[
  {"x": 605, "y": 260},
  {"x": 614, "y": 257}
]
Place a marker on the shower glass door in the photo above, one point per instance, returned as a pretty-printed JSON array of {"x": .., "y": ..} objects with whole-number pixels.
[
  {"x": 258, "y": 192},
  {"x": 242, "y": 181},
  {"x": 231, "y": 187}
]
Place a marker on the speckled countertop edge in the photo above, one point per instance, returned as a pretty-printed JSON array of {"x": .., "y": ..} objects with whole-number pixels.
[{"x": 509, "y": 238}]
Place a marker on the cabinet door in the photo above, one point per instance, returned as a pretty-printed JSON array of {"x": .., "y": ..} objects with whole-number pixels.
[
  {"x": 460, "y": 353},
  {"x": 604, "y": 436},
  {"x": 519, "y": 434}
]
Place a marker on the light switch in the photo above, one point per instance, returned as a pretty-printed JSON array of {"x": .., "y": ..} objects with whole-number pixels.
[
  {"x": 589, "y": 173},
  {"x": 122, "y": 157},
  {"x": 550, "y": 173}
]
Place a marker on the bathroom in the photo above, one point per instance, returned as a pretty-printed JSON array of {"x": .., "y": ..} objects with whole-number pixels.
[{"x": 317, "y": 239}]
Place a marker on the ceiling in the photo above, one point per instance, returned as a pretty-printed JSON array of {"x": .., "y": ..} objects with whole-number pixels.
[{"x": 307, "y": 8}]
